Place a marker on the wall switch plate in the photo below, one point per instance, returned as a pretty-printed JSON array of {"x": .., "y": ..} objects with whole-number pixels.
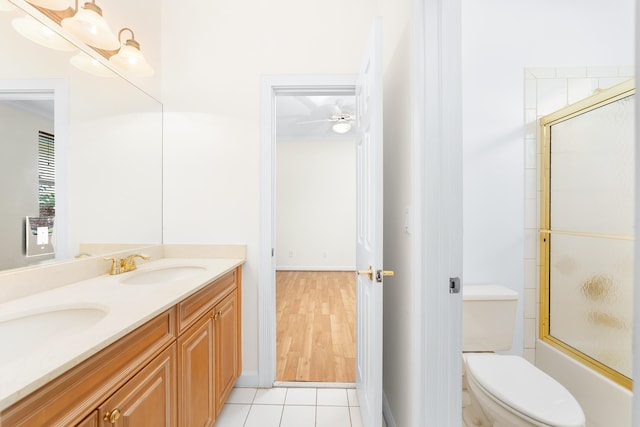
[{"x": 43, "y": 235}]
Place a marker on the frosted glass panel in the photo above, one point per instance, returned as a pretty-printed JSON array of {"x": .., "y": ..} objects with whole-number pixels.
[
  {"x": 592, "y": 171},
  {"x": 591, "y": 297}
]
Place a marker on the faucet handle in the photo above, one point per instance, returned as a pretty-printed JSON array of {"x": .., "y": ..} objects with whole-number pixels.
[
  {"x": 130, "y": 262},
  {"x": 115, "y": 265}
]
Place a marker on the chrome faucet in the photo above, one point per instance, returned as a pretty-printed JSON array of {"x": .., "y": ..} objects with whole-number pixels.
[{"x": 125, "y": 264}]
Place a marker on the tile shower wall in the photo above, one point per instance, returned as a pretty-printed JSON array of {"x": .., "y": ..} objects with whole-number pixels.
[{"x": 548, "y": 90}]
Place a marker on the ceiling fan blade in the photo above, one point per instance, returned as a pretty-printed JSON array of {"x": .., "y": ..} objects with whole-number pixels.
[{"x": 315, "y": 121}]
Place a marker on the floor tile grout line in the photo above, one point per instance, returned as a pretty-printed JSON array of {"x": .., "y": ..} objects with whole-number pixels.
[{"x": 253, "y": 403}]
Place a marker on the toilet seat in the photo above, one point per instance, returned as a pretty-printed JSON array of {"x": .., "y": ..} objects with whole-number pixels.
[{"x": 518, "y": 385}]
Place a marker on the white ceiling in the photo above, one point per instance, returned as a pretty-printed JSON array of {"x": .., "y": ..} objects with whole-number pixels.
[{"x": 294, "y": 112}]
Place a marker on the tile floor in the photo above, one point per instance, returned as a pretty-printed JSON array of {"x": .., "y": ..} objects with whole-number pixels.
[{"x": 291, "y": 407}]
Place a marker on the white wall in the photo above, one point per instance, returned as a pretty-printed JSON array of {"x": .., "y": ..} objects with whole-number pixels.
[
  {"x": 19, "y": 196},
  {"x": 214, "y": 54},
  {"x": 501, "y": 39},
  {"x": 315, "y": 205}
]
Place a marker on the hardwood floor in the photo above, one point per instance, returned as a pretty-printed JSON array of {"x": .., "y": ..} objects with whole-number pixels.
[{"x": 315, "y": 326}]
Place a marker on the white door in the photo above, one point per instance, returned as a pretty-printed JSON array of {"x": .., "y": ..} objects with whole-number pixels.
[{"x": 369, "y": 231}]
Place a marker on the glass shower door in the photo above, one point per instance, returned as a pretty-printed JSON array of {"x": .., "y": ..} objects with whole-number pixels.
[{"x": 587, "y": 232}]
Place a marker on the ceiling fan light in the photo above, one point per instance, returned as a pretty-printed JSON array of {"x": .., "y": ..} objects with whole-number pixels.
[
  {"x": 341, "y": 126},
  {"x": 39, "y": 33},
  {"x": 89, "y": 26},
  {"x": 51, "y": 4}
]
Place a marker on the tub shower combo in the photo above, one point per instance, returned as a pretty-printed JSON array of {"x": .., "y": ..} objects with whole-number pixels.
[{"x": 586, "y": 231}]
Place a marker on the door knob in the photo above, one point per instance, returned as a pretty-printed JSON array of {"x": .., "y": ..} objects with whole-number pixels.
[
  {"x": 383, "y": 273},
  {"x": 368, "y": 272},
  {"x": 379, "y": 273}
]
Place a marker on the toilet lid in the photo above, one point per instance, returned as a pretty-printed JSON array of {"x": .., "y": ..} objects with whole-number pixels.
[{"x": 526, "y": 389}]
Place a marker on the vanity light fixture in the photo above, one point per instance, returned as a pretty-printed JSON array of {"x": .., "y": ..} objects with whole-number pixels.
[
  {"x": 90, "y": 65},
  {"x": 129, "y": 59},
  {"x": 88, "y": 25},
  {"x": 39, "y": 33},
  {"x": 341, "y": 126},
  {"x": 51, "y": 4}
]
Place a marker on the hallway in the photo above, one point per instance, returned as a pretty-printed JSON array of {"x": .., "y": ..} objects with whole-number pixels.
[{"x": 315, "y": 326}]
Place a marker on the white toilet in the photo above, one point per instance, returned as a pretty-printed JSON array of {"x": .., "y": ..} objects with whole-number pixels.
[{"x": 505, "y": 390}]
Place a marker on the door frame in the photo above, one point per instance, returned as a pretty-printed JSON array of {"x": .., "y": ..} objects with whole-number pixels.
[
  {"x": 436, "y": 80},
  {"x": 270, "y": 87}
]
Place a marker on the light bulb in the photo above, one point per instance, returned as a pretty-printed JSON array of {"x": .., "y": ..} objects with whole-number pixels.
[
  {"x": 341, "y": 126},
  {"x": 88, "y": 25},
  {"x": 131, "y": 61}
]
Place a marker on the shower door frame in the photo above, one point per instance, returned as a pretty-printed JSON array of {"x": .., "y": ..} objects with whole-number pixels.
[{"x": 598, "y": 100}]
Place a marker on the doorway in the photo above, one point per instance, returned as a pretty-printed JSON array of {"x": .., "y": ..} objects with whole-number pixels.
[{"x": 315, "y": 231}]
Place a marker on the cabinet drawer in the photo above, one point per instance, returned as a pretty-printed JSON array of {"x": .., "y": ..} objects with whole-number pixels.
[
  {"x": 194, "y": 307},
  {"x": 69, "y": 398}
]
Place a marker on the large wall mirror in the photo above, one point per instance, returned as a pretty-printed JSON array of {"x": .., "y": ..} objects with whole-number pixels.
[{"x": 107, "y": 140}]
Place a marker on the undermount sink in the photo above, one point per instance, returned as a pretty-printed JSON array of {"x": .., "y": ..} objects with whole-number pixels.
[
  {"x": 27, "y": 331},
  {"x": 162, "y": 275}
]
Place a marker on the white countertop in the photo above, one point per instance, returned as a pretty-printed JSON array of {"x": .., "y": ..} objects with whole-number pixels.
[{"x": 120, "y": 309}]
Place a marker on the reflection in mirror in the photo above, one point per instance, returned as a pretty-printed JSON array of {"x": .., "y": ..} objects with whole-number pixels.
[
  {"x": 108, "y": 151},
  {"x": 26, "y": 122}
]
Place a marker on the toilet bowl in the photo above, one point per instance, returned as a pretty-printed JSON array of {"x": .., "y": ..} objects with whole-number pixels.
[
  {"x": 506, "y": 390},
  {"x": 510, "y": 391}
]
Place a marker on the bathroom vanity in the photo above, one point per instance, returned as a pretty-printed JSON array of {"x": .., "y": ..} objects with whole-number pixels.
[{"x": 166, "y": 353}]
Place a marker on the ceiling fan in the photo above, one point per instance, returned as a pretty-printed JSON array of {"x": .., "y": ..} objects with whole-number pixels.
[{"x": 342, "y": 121}]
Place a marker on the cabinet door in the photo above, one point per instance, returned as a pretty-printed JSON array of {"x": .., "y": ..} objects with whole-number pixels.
[
  {"x": 90, "y": 421},
  {"x": 148, "y": 399},
  {"x": 195, "y": 378},
  {"x": 226, "y": 347}
]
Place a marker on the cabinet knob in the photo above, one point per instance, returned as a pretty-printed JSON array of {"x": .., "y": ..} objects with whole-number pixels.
[
  {"x": 215, "y": 316},
  {"x": 112, "y": 416}
]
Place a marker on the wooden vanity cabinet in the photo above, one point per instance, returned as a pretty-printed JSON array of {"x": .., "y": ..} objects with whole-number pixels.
[
  {"x": 70, "y": 398},
  {"x": 226, "y": 347},
  {"x": 90, "y": 421},
  {"x": 208, "y": 350},
  {"x": 175, "y": 370}
]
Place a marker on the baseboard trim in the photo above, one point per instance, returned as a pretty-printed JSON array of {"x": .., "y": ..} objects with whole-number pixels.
[
  {"x": 315, "y": 268},
  {"x": 386, "y": 412},
  {"x": 248, "y": 379},
  {"x": 311, "y": 384}
]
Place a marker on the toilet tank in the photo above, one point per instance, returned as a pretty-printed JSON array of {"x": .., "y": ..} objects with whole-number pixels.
[{"x": 488, "y": 317}]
